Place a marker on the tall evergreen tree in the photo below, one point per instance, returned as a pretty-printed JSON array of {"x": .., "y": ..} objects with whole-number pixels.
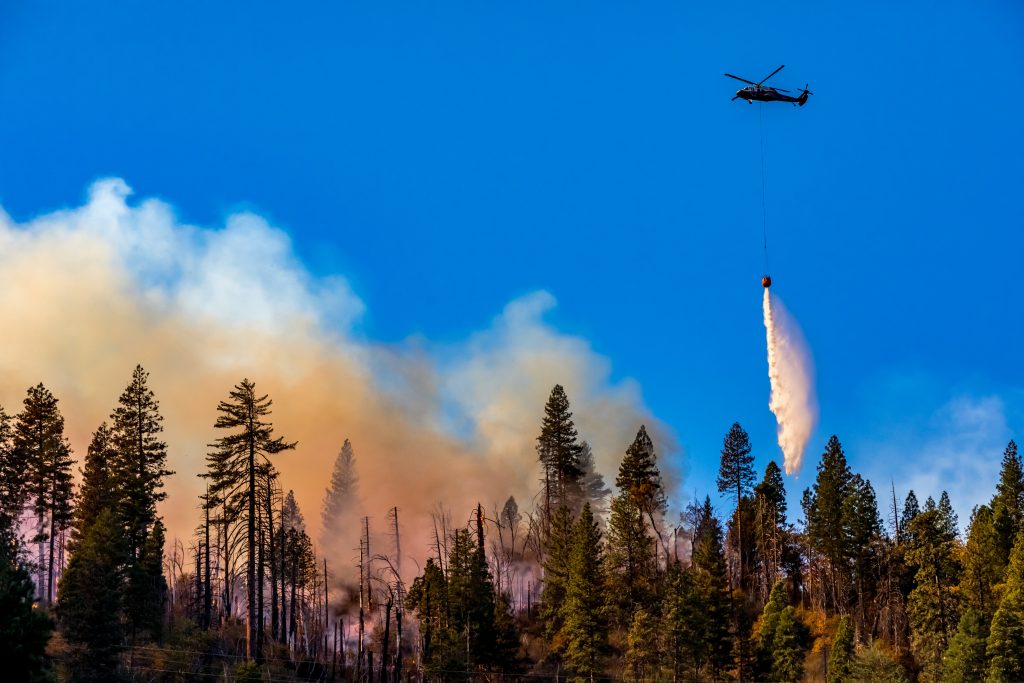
[
  {"x": 13, "y": 474},
  {"x": 140, "y": 465},
  {"x": 770, "y": 537},
  {"x": 767, "y": 626},
  {"x": 40, "y": 444},
  {"x": 146, "y": 595},
  {"x": 736, "y": 476},
  {"x": 584, "y": 630},
  {"x": 340, "y": 498},
  {"x": 840, "y": 663},
  {"x": 823, "y": 510},
  {"x": 983, "y": 565},
  {"x": 631, "y": 570},
  {"x": 558, "y": 450},
  {"x": 683, "y": 625},
  {"x": 911, "y": 509},
  {"x": 90, "y": 602},
  {"x": 932, "y": 606},
  {"x": 632, "y": 558},
  {"x": 1005, "y": 648},
  {"x": 789, "y": 647},
  {"x": 242, "y": 452},
  {"x": 862, "y": 529},
  {"x": 1008, "y": 503},
  {"x": 556, "y": 572},
  {"x": 24, "y": 630},
  {"x": 97, "y": 492},
  {"x": 965, "y": 659},
  {"x": 710, "y": 581}
]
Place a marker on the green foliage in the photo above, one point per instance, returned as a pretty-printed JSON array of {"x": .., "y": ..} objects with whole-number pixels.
[
  {"x": 965, "y": 660},
  {"x": 823, "y": 510},
  {"x": 841, "y": 661},
  {"x": 558, "y": 450},
  {"x": 428, "y": 597},
  {"x": 146, "y": 595},
  {"x": 984, "y": 564},
  {"x": 684, "y": 626},
  {"x": 40, "y": 445},
  {"x": 98, "y": 491},
  {"x": 1008, "y": 503},
  {"x": 639, "y": 478},
  {"x": 13, "y": 472},
  {"x": 932, "y": 606},
  {"x": 767, "y": 627},
  {"x": 556, "y": 571},
  {"x": 874, "y": 665},
  {"x": 630, "y": 559},
  {"x": 584, "y": 631},
  {"x": 736, "y": 469},
  {"x": 90, "y": 602},
  {"x": 711, "y": 585},
  {"x": 789, "y": 647},
  {"x": 24, "y": 630},
  {"x": 140, "y": 465},
  {"x": 1005, "y": 647},
  {"x": 642, "y": 655}
]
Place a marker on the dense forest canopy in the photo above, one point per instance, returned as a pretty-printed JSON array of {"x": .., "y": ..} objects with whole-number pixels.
[{"x": 589, "y": 579}]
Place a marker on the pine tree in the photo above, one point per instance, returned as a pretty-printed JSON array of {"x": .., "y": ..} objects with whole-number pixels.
[
  {"x": 146, "y": 595},
  {"x": 639, "y": 477},
  {"x": 789, "y": 647},
  {"x": 558, "y": 451},
  {"x": 683, "y": 624},
  {"x": 98, "y": 491},
  {"x": 911, "y": 509},
  {"x": 556, "y": 572},
  {"x": 862, "y": 528},
  {"x": 965, "y": 660},
  {"x": 428, "y": 597},
  {"x": 983, "y": 565},
  {"x": 89, "y": 608},
  {"x": 642, "y": 655},
  {"x": 767, "y": 626},
  {"x": 241, "y": 454},
  {"x": 875, "y": 665},
  {"x": 340, "y": 498},
  {"x": 736, "y": 476},
  {"x": 1008, "y": 503},
  {"x": 140, "y": 465},
  {"x": 932, "y": 605},
  {"x": 630, "y": 563},
  {"x": 823, "y": 510},
  {"x": 840, "y": 662},
  {"x": 24, "y": 630},
  {"x": 13, "y": 473},
  {"x": 770, "y": 526},
  {"x": 584, "y": 631},
  {"x": 710, "y": 582},
  {"x": 1005, "y": 647},
  {"x": 39, "y": 442}
]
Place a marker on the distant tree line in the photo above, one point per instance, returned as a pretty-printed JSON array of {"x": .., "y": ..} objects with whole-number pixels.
[{"x": 588, "y": 583}]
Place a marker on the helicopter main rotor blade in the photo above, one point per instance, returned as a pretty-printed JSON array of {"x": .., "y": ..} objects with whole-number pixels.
[
  {"x": 771, "y": 74},
  {"x": 741, "y": 79}
]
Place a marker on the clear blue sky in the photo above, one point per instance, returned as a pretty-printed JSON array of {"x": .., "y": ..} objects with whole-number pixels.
[{"x": 448, "y": 157}]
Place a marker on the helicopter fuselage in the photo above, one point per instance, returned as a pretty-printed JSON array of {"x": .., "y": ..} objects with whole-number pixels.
[{"x": 764, "y": 94}]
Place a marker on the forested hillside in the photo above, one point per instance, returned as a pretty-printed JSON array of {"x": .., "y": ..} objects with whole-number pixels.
[{"x": 589, "y": 580}]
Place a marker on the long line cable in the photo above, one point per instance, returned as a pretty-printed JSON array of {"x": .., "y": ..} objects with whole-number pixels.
[{"x": 764, "y": 210}]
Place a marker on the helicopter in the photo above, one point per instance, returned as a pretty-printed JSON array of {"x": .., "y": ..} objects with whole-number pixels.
[{"x": 764, "y": 93}]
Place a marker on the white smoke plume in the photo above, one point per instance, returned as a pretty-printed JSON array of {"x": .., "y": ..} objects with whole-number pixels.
[
  {"x": 91, "y": 291},
  {"x": 792, "y": 380}
]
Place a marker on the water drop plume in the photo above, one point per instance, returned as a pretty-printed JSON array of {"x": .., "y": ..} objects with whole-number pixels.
[{"x": 792, "y": 378}]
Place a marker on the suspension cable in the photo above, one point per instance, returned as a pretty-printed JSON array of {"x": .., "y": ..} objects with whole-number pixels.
[{"x": 764, "y": 211}]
